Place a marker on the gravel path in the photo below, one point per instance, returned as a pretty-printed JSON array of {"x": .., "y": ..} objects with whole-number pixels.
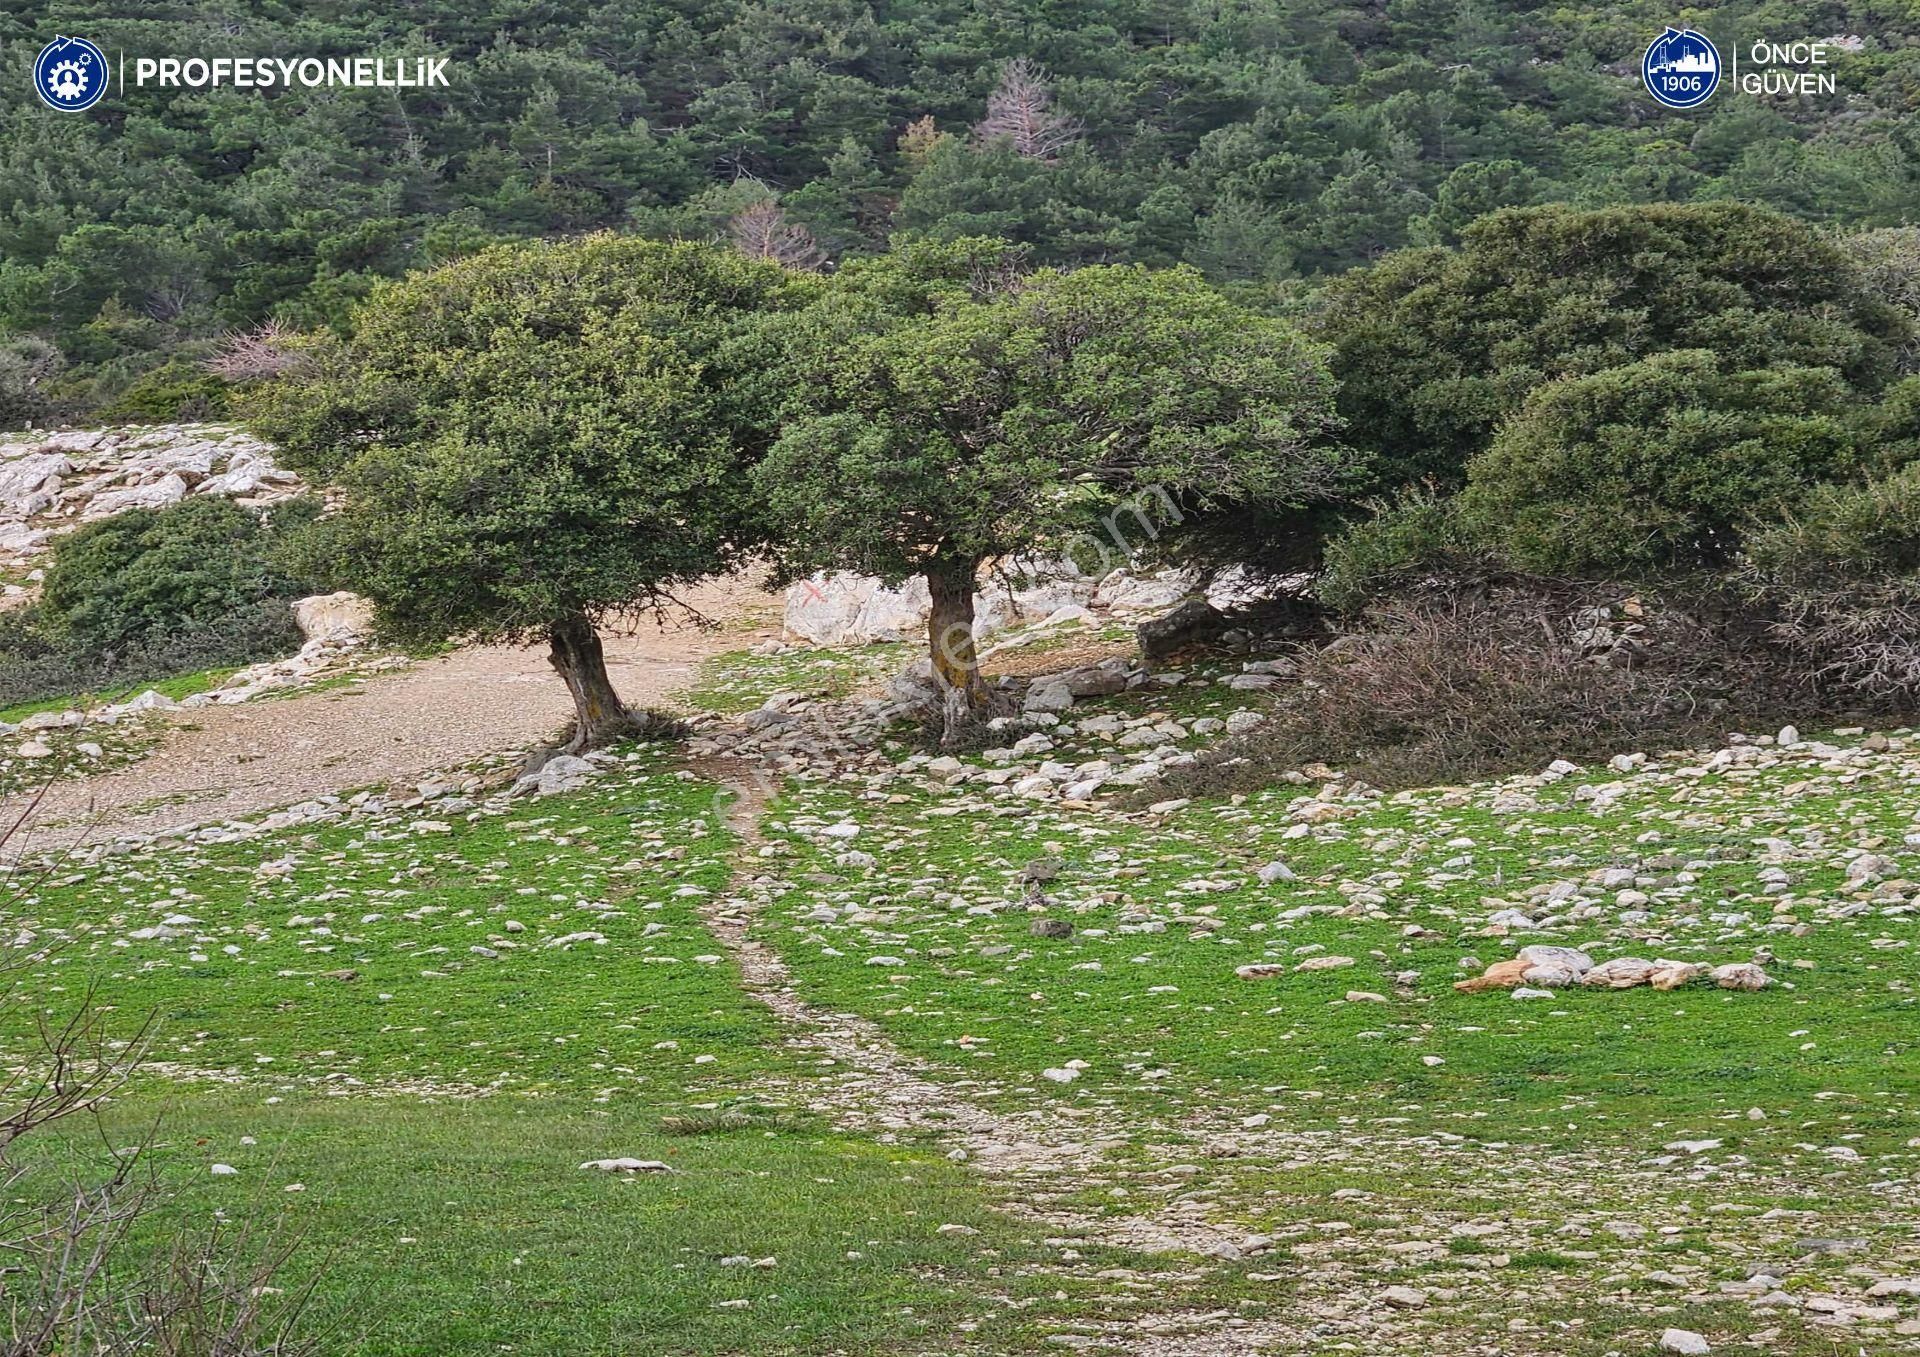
[{"x": 222, "y": 762}]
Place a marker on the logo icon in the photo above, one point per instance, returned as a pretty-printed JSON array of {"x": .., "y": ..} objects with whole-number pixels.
[
  {"x": 1681, "y": 68},
  {"x": 70, "y": 74}
]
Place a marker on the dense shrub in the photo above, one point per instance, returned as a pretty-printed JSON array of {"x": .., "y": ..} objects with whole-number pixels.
[
  {"x": 1655, "y": 465},
  {"x": 1419, "y": 534},
  {"x": 28, "y": 366},
  {"x": 150, "y": 594},
  {"x": 37, "y": 664},
  {"x": 1459, "y": 686},
  {"x": 177, "y": 390},
  {"x": 1841, "y": 571},
  {"x": 1436, "y": 348},
  {"x": 1662, "y": 468},
  {"x": 147, "y": 575}
]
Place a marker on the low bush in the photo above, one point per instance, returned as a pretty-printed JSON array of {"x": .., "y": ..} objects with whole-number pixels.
[
  {"x": 1451, "y": 687},
  {"x": 36, "y": 665},
  {"x": 150, "y": 594},
  {"x": 146, "y": 575},
  {"x": 28, "y": 367},
  {"x": 176, "y": 391},
  {"x": 1841, "y": 573}
]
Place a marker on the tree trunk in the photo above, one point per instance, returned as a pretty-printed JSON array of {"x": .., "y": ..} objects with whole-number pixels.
[
  {"x": 599, "y": 716},
  {"x": 964, "y": 695}
]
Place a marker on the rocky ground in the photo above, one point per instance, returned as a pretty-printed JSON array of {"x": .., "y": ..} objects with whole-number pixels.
[
  {"x": 1591, "y": 1060},
  {"x": 351, "y": 720},
  {"x": 49, "y": 482}
]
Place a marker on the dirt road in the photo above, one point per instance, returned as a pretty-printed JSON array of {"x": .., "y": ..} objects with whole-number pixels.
[{"x": 221, "y": 762}]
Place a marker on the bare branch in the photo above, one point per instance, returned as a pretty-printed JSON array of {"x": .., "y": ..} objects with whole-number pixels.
[
  {"x": 249, "y": 355},
  {"x": 762, "y": 231},
  {"x": 1021, "y": 112}
]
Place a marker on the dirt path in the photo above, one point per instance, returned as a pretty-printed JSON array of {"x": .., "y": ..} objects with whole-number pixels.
[
  {"x": 1036, "y": 1160},
  {"x": 222, "y": 762}
]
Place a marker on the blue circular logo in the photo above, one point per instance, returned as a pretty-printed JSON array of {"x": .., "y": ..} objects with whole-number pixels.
[
  {"x": 1681, "y": 68},
  {"x": 70, "y": 74}
]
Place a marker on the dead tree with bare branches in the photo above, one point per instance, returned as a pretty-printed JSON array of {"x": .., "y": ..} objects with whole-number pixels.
[
  {"x": 1020, "y": 112},
  {"x": 252, "y": 355},
  {"x": 762, "y": 231}
]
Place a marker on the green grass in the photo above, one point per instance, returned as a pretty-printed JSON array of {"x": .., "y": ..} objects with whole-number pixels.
[
  {"x": 739, "y": 680},
  {"x": 434, "y": 1104},
  {"x": 448, "y": 1226},
  {"x": 348, "y": 953},
  {"x": 323, "y": 996},
  {"x": 182, "y": 685},
  {"x": 1582, "y": 1065}
]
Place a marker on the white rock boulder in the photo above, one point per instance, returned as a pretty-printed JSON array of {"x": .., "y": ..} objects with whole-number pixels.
[{"x": 340, "y": 616}]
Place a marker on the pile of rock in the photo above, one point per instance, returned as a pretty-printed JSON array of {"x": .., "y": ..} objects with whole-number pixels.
[
  {"x": 337, "y": 628},
  {"x": 51, "y": 482},
  {"x": 837, "y": 609},
  {"x": 1538, "y": 970},
  {"x": 1057, "y": 692}
]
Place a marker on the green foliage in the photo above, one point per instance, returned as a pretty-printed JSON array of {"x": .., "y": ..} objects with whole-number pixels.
[
  {"x": 1246, "y": 139},
  {"x": 177, "y": 390},
  {"x": 942, "y": 413},
  {"x": 1655, "y": 465},
  {"x": 1845, "y": 532},
  {"x": 148, "y": 574},
  {"x": 537, "y": 432},
  {"x": 27, "y": 366},
  {"x": 1417, "y": 534},
  {"x": 1435, "y": 348},
  {"x": 149, "y": 595}
]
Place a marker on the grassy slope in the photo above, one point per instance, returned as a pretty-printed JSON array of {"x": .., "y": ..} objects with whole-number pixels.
[
  {"x": 182, "y": 685},
  {"x": 354, "y": 1089},
  {"x": 1544, "y": 1118}
]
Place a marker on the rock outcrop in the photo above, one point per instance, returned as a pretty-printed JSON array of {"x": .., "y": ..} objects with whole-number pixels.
[
  {"x": 50, "y": 482},
  {"x": 339, "y": 617}
]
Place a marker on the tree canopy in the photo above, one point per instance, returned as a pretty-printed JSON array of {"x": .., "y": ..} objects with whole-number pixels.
[
  {"x": 1259, "y": 142},
  {"x": 1435, "y": 348},
  {"x": 949, "y": 409},
  {"x": 532, "y": 440}
]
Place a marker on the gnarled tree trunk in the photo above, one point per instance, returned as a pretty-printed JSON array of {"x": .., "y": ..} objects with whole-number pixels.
[
  {"x": 599, "y": 715},
  {"x": 963, "y": 694}
]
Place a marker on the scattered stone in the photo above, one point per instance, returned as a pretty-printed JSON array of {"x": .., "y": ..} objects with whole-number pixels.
[
  {"x": 624, "y": 1165},
  {"x": 1741, "y": 975}
]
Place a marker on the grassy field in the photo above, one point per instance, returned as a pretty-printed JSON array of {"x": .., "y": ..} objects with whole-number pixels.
[
  {"x": 1164, "y": 913},
  {"x": 407, "y": 1028},
  {"x": 406, "y": 1051}
]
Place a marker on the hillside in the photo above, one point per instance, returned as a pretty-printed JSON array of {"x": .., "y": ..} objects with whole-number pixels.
[{"x": 1261, "y": 142}]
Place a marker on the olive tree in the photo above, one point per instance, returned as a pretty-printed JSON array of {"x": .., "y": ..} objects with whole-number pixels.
[
  {"x": 531, "y": 441},
  {"x": 948, "y": 410}
]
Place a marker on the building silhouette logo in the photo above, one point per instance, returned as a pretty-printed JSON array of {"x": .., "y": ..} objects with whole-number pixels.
[
  {"x": 1681, "y": 68},
  {"x": 70, "y": 74}
]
